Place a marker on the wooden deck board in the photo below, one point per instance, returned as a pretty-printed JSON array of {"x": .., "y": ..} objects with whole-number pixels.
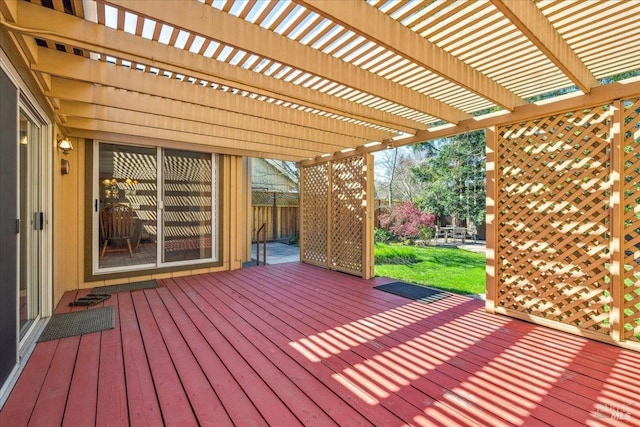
[
  {"x": 201, "y": 394},
  {"x": 270, "y": 407},
  {"x": 142, "y": 400},
  {"x": 293, "y": 344},
  {"x": 112, "y": 408},
  {"x": 365, "y": 349},
  {"x": 84, "y": 383},
  {"x": 477, "y": 356},
  {"x": 237, "y": 404},
  {"x": 295, "y": 329}
]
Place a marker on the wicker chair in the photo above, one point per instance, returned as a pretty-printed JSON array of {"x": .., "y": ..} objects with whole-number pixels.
[{"x": 116, "y": 225}]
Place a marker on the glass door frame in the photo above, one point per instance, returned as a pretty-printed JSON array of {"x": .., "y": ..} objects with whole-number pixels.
[
  {"x": 159, "y": 265},
  {"x": 38, "y": 259}
]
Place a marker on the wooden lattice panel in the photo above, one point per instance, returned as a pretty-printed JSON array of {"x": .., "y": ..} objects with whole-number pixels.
[
  {"x": 315, "y": 209},
  {"x": 347, "y": 214},
  {"x": 552, "y": 203},
  {"x": 631, "y": 212}
]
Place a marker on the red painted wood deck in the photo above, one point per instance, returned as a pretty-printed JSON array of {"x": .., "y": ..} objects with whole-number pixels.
[{"x": 292, "y": 344}]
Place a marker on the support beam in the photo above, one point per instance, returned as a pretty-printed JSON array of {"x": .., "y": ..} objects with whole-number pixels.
[
  {"x": 79, "y": 68},
  {"x": 73, "y": 102},
  {"x": 69, "y": 30},
  {"x": 599, "y": 95},
  {"x": 116, "y": 136},
  {"x": 617, "y": 224},
  {"x": 493, "y": 192},
  {"x": 71, "y": 109},
  {"x": 385, "y": 31},
  {"x": 223, "y": 27},
  {"x": 285, "y": 119},
  {"x": 526, "y": 16},
  {"x": 146, "y": 131}
]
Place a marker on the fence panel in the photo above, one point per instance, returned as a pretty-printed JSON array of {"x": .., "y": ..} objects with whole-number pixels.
[
  {"x": 553, "y": 219},
  {"x": 280, "y": 211}
]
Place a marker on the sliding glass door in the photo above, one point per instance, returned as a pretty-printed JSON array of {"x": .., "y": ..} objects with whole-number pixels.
[
  {"x": 31, "y": 222},
  {"x": 188, "y": 208},
  {"x": 154, "y": 208},
  {"x": 127, "y": 206}
]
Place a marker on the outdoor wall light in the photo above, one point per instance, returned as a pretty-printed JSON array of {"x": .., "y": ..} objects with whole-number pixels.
[{"x": 65, "y": 145}]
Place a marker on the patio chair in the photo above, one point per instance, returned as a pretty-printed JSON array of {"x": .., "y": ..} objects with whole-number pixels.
[{"x": 116, "y": 225}]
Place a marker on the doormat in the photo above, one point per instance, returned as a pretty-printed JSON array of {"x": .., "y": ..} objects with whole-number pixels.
[
  {"x": 78, "y": 323},
  {"x": 91, "y": 299},
  {"x": 414, "y": 292},
  {"x": 125, "y": 287}
]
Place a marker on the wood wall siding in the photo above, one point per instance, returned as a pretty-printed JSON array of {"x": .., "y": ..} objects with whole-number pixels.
[{"x": 566, "y": 221}]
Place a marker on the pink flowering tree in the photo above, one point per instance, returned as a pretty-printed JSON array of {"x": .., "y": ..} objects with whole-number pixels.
[{"x": 406, "y": 222}]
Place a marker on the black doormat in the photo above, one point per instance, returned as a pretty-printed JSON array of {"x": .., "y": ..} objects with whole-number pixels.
[
  {"x": 414, "y": 292},
  {"x": 125, "y": 287},
  {"x": 78, "y": 323},
  {"x": 90, "y": 299}
]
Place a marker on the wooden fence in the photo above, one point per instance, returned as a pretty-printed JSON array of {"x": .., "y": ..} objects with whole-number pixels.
[{"x": 280, "y": 211}]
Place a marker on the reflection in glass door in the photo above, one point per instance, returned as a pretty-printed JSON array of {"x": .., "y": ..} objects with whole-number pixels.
[
  {"x": 127, "y": 206},
  {"x": 153, "y": 208},
  {"x": 187, "y": 214},
  {"x": 31, "y": 223}
]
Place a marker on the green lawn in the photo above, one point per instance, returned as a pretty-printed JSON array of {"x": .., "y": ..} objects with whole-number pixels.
[{"x": 450, "y": 269}]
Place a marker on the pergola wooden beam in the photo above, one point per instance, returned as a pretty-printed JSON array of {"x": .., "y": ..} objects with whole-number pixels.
[
  {"x": 528, "y": 18},
  {"x": 599, "y": 95},
  {"x": 147, "y": 128},
  {"x": 385, "y": 31},
  {"x": 223, "y": 27},
  {"x": 73, "y": 67},
  {"x": 72, "y": 93},
  {"x": 73, "y": 109},
  {"x": 114, "y": 134},
  {"x": 66, "y": 29}
]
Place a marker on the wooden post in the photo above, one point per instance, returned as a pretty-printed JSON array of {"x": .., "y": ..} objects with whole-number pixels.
[
  {"x": 328, "y": 218},
  {"x": 616, "y": 241},
  {"x": 492, "y": 218},
  {"x": 368, "y": 223},
  {"x": 301, "y": 193},
  {"x": 274, "y": 219}
]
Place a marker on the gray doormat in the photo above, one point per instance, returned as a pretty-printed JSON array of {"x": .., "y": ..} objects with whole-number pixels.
[
  {"x": 125, "y": 287},
  {"x": 78, "y": 323},
  {"x": 415, "y": 292}
]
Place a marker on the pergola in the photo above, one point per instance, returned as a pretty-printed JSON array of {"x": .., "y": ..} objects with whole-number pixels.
[{"x": 325, "y": 83}]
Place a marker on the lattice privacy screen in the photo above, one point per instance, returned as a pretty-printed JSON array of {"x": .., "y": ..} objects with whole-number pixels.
[
  {"x": 348, "y": 188},
  {"x": 567, "y": 225},
  {"x": 631, "y": 217},
  {"x": 314, "y": 186},
  {"x": 336, "y": 215},
  {"x": 552, "y": 251}
]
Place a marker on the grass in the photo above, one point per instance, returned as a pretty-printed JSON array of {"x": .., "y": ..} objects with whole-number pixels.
[{"x": 450, "y": 269}]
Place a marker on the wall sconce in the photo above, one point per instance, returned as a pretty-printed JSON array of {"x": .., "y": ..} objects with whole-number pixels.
[{"x": 65, "y": 145}]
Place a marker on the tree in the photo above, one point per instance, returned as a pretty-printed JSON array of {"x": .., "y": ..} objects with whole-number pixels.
[
  {"x": 454, "y": 177},
  {"x": 406, "y": 222},
  {"x": 394, "y": 179}
]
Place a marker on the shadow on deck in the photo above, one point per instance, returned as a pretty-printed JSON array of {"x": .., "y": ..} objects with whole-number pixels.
[{"x": 292, "y": 344}]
